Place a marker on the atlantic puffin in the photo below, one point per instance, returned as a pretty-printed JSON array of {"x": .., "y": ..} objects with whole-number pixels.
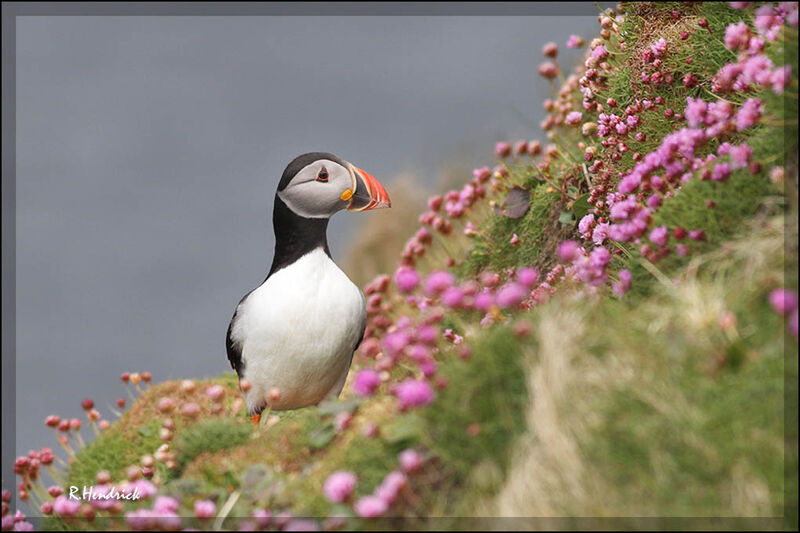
[{"x": 292, "y": 338}]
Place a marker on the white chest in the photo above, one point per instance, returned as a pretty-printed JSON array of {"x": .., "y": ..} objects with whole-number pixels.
[{"x": 297, "y": 332}]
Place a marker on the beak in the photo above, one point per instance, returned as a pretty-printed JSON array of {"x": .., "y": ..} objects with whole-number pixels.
[{"x": 368, "y": 193}]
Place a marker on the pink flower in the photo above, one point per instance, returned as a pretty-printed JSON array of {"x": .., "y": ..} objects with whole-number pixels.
[
  {"x": 740, "y": 155},
  {"x": 737, "y": 36},
  {"x": 527, "y": 276},
  {"x": 452, "y": 297},
  {"x": 502, "y": 149},
  {"x": 215, "y": 392},
  {"x": 204, "y": 509},
  {"x": 600, "y": 233},
  {"x": 722, "y": 172},
  {"x": 659, "y": 47},
  {"x": 396, "y": 342},
  {"x": 573, "y": 118},
  {"x": 410, "y": 460},
  {"x": 574, "y": 41},
  {"x": 390, "y": 487},
  {"x": 568, "y": 251},
  {"x": 624, "y": 283},
  {"x": 339, "y": 486},
  {"x": 585, "y": 225},
  {"x": 548, "y": 70},
  {"x": 600, "y": 52},
  {"x": 511, "y": 295},
  {"x": 484, "y": 300},
  {"x": 406, "y": 278},
  {"x": 438, "y": 281},
  {"x": 748, "y": 114},
  {"x": 64, "y": 506},
  {"x": 164, "y": 504},
  {"x": 659, "y": 236},
  {"x": 413, "y": 393},
  {"x": 739, "y": 5},
  {"x": 783, "y": 301},
  {"x": 366, "y": 382},
  {"x": 370, "y": 507},
  {"x": 550, "y": 49},
  {"x": 780, "y": 78}
]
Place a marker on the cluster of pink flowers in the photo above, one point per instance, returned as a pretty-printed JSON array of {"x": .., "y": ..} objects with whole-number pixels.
[{"x": 753, "y": 68}]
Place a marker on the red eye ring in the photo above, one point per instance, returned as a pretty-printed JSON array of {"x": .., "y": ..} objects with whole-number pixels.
[{"x": 323, "y": 175}]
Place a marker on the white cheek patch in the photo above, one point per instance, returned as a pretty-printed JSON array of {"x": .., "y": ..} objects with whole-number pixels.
[
  {"x": 300, "y": 207},
  {"x": 313, "y": 199}
]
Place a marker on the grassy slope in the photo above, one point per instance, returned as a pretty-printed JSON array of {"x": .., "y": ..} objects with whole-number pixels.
[{"x": 645, "y": 406}]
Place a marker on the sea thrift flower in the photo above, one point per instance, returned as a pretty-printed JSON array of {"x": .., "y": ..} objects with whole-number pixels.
[
  {"x": 548, "y": 70},
  {"x": 660, "y": 235},
  {"x": 339, "y": 486},
  {"x": 413, "y": 393},
  {"x": 370, "y": 507},
  {"x": 64, "y": 506},
  {"x": 599, "y": 52},
  {"x": 780, "y": 77},
  {"x": 624, "y": 284},
  {"x": 366, "y": 382},
  {"x": 502, "y": 149},
  {"x": 452, "y": 297},
  {"x": 783, "y": 301},
  {"x": 510, "y": 295},
  {"x": 438, "y": 281},
  {"x": 740, "y": 155},
  {"x": 573, "y": 118},
  {"x": 722, "y": 172},
  {"x": 190, "y": 409},
  {"x": 527, "y": 276},
  {"x": 410, "y": 460},
  {"x": 575, "y": 41},
  {"x": 568, "y": 251},
  {"x": 215, "y": 392},
  {"x": 406, "y": 278},
  {"x": 737, "y": 36},
  {"x": 697, "y": 235},
  {"x": 748, "y": 114},
  {"x": 165, "y": 504},
  {"x": 390, "y": 487},
  {"x": 204, "y": 509}
]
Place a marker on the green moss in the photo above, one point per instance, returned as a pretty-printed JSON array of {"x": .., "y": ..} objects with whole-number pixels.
[
  {"x": 209, "y": 436},
  {"x": 489, "y": 393},
  {"x": 113, "y": 450},
  {"x": 492, "y": 248}
]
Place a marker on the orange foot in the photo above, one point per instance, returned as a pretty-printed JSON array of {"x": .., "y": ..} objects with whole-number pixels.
[{"x": 255, "y": 419}]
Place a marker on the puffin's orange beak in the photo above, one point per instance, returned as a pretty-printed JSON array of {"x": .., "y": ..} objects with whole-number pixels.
[{"x": 369, "y": 193}]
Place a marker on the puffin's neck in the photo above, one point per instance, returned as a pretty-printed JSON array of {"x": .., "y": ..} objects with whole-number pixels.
[{"x": 295, "y": 236}]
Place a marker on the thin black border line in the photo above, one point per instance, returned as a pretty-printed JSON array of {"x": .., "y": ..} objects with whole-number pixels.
[{"x": 11, "y": 10}]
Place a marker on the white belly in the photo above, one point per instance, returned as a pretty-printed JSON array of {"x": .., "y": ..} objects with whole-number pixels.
[{"x": 297, "y": 332}]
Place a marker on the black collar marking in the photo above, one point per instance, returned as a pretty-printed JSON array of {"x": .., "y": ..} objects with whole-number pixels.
[{"x": 295, "y": 236}]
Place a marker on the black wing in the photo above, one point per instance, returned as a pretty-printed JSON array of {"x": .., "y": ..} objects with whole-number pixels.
[{"x": 234, "y": 350}]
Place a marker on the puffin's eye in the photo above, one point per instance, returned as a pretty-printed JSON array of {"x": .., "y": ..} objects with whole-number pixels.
[{"x": 323, "y": 175}]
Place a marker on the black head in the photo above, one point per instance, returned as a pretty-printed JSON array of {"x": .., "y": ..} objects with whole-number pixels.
[{"x": 319, "y": 184}]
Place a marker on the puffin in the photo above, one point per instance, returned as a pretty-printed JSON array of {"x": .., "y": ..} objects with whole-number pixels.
[{"x": 292, "y": 338}]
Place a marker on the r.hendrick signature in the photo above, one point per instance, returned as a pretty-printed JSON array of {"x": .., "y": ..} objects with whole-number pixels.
[{"x": 103, "y": 493}]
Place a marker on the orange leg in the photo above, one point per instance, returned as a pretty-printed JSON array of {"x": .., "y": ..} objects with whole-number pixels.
[{"x": 255, "y": 419}]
